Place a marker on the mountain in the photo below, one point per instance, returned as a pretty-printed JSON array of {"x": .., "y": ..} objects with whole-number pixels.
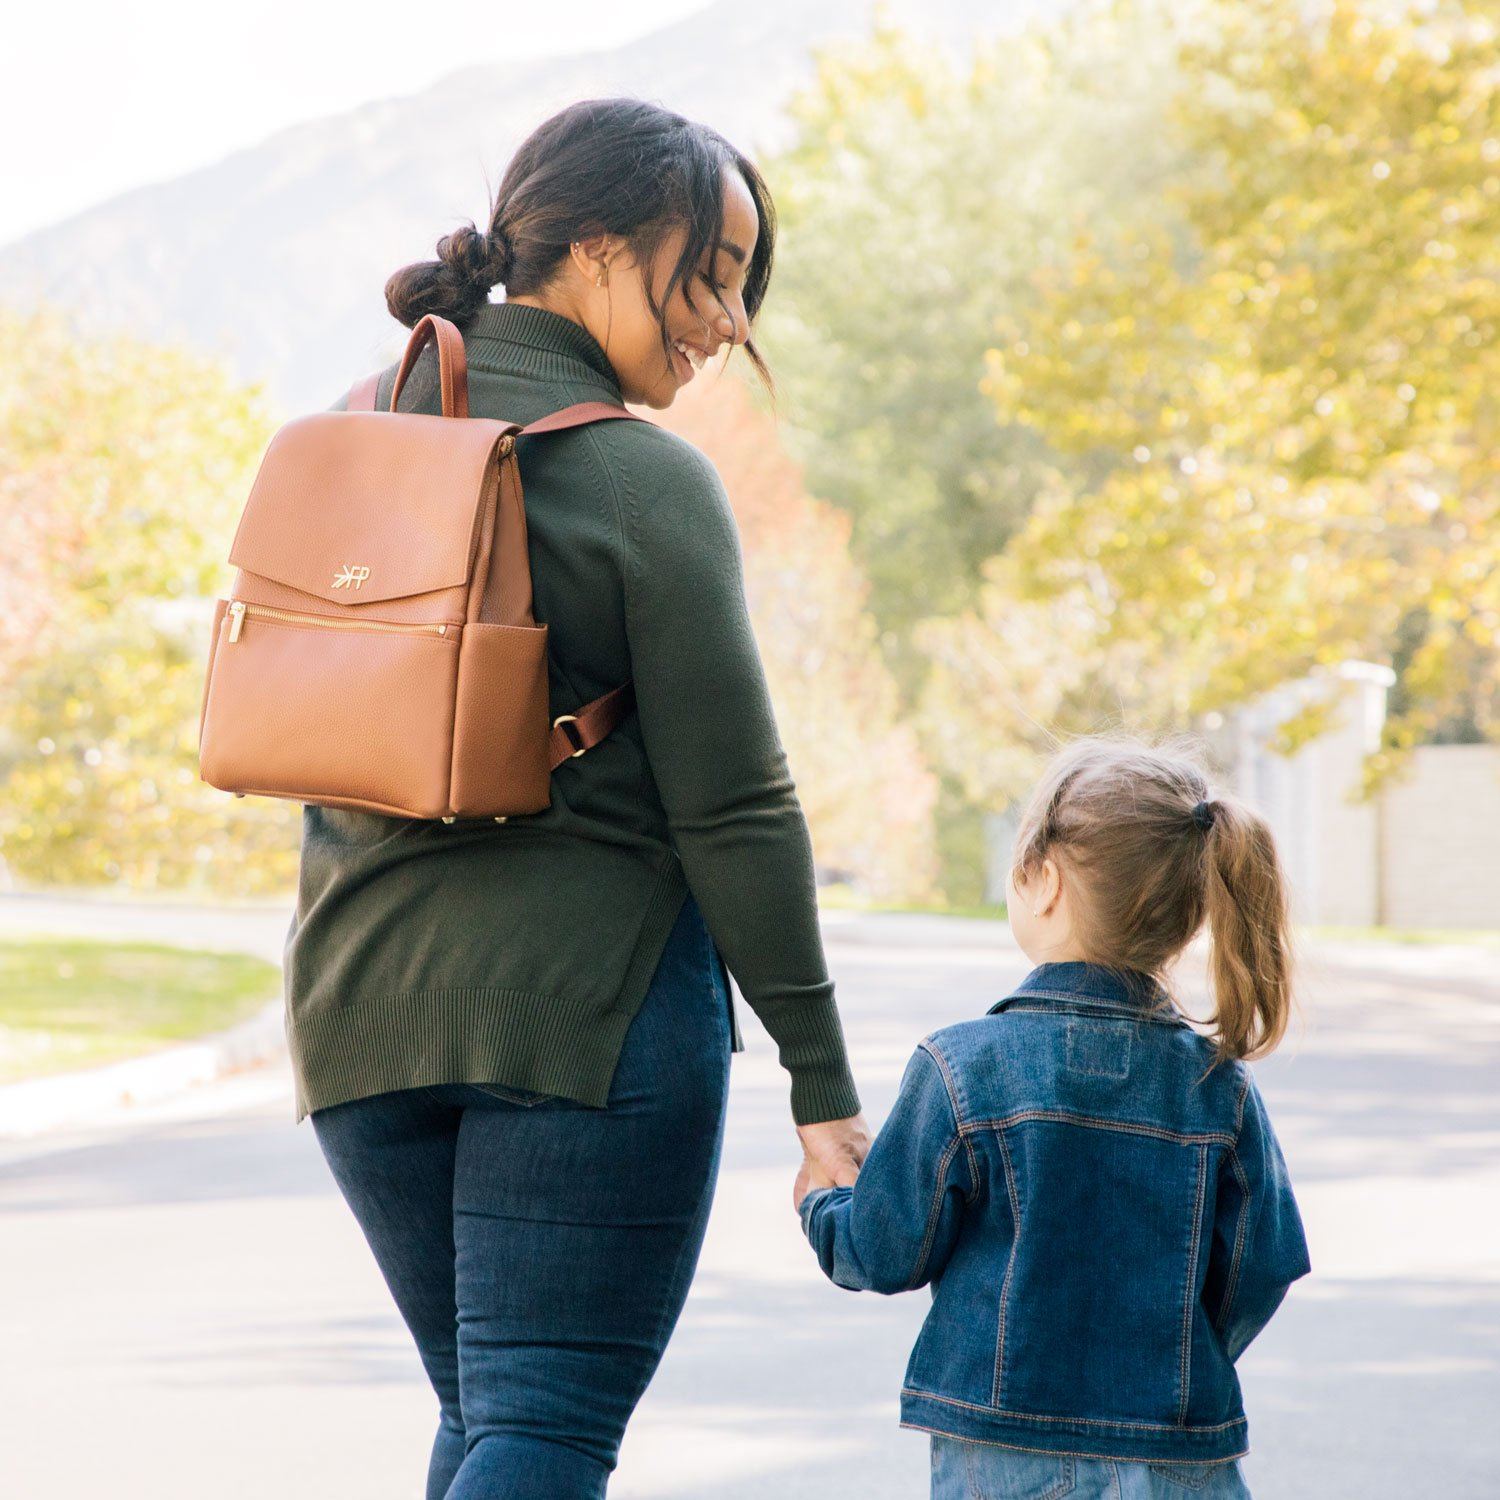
[{"x": 275, "y": 258}]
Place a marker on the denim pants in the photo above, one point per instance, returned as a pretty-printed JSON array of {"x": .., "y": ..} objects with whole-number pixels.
[
  {"x": 962, "y": 1470},
  {"x": 540, "y": 1250}
]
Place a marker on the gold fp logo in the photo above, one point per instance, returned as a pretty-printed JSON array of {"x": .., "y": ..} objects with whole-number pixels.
[{"x": 350, "y": 576}]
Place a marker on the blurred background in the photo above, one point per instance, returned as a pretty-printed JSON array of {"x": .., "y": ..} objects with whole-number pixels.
[{"x": 1138, "y": 366}]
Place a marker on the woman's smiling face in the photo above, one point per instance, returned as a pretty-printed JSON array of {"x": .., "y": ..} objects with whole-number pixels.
[{"x": 603, "y": 287}]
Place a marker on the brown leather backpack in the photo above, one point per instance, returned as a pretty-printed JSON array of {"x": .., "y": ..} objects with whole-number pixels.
[{"x": 378, "y": 648}]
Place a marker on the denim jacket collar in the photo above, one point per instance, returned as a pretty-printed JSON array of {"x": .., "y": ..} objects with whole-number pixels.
[{"x": 1077, "y": 983}]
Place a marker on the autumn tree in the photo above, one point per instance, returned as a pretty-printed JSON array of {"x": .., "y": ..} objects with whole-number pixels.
[
  {"x": 1271, "y": 401},
  {"x": 921, "y": 192},
  {"x": 860, "y": 773},
  {"x": 123, "y": 466}
]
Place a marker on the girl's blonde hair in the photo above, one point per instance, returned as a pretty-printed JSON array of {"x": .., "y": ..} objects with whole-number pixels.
[{"x": 1150, "y": 866}]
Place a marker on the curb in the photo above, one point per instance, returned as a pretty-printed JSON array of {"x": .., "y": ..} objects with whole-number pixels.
[{"x": 41, "y": 1104}]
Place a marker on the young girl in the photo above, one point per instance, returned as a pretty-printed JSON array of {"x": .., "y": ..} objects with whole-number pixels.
[{"x": 1089, "y": 1183}]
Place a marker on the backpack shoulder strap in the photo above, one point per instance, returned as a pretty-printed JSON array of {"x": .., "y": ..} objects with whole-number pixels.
[
  {"x": 362, "y": 398},
  {"x": 577, "y": 416},
  {"x": 572, "y": 734}
]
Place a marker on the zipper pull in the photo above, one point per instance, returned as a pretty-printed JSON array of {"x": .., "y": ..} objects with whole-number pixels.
[{"x": 236, "y": 620}]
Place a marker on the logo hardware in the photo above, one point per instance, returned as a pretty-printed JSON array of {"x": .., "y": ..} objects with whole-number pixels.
[{"x": 348, "y": 575}]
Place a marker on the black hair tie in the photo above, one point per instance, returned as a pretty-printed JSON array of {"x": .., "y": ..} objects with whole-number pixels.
[{"x": 1203, "y": 815}]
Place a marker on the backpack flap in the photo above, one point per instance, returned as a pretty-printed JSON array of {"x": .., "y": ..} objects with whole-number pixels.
[{"x": 356, "y": 508}]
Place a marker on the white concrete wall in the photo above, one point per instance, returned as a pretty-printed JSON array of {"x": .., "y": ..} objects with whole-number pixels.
[
  {"x": 1440, "y": 839},
  {"x": 1423, "y": 853},
  {"x": 1328, "y": 839}
]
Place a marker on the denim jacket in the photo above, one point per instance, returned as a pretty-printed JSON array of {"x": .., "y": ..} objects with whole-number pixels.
[{"x": 1104, "y": 1218}]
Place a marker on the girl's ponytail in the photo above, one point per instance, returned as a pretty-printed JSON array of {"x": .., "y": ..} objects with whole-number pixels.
[
  {"x": 1249, "y": 922},
  {"x": 1150, "y": 857}
]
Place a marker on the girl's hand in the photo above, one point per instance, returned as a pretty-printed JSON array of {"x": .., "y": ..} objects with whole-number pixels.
[{"x": 811, "y": 1176}]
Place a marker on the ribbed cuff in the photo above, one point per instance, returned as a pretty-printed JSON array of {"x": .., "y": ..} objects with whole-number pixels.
[{"x": 810, "y": 1043}]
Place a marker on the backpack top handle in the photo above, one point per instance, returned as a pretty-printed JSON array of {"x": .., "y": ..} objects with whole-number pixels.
[{"x": 453, "y": 368}]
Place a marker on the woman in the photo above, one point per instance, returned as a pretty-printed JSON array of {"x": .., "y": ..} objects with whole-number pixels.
[{"x": 513, "y": 1040}]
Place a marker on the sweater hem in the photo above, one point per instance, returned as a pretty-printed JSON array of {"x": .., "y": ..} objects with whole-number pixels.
[
  {"x": 517, "y": 1038},
  {"x": 475, "y": 1034},
  {"x": 1072, "y": 1438}
]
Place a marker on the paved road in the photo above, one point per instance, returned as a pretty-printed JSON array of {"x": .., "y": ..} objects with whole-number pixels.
[{"x": 190, "y": 1310}]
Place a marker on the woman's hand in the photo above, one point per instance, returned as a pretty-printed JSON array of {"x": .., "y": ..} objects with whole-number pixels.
[{"x": 835, "y": 1149}]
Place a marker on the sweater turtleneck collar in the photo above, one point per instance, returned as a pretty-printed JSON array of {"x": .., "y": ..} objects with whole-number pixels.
[{"x": 543, "y": 343}]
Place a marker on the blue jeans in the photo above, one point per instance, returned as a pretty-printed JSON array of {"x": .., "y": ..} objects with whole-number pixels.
[
  {"x": 540, "y": 1250},
  {"x": 963, "y": 1470}
]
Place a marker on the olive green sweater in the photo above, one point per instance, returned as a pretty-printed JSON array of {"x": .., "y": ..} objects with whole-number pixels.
[{"x": 518, "y": 953}]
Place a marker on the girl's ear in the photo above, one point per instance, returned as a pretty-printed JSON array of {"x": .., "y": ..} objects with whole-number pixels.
[{"x": 1049, "y": 887}]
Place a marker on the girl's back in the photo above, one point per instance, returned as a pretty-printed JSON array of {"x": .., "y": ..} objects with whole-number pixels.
[{"x": 1090, "y": 1185}]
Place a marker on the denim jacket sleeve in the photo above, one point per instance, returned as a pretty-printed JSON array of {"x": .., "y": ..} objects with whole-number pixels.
[
  {"x": 1259, "y": 1247},
  {"x": 893, "y": 1230}
]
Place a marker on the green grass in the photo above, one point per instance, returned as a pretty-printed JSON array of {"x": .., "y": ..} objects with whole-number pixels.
[{"x": 66, "y": 1003}]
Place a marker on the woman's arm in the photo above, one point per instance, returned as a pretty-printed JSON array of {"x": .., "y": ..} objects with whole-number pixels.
[{"x": 717, "y": 759}]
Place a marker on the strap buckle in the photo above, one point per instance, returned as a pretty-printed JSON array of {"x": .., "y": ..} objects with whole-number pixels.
[{"x": 568, "y": 734}]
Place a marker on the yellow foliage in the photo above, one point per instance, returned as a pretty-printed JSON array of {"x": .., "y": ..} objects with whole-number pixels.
[{"x": 130, "y": 462}]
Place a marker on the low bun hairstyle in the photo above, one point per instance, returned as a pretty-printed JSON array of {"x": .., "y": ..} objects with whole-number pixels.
[
  {"x": 455, "y": 285},
  {"x": 601, "y": 166}
]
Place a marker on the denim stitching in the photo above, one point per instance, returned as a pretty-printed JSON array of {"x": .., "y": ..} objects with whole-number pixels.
[
  {"x": 1185, "y": 1362},
  {"x": 933, "y": 1214},
  {"x": 1010, "y": 1265},
  {"x": 1239, "y": 1110},
  {"x": 1026, "y": 1416},
  {"x": 1063, "y": 1485},
  {"x": 1076, "y": 1040},
  {"x": 1115, "y": 1012},
  {"x": 1183, "y": 1481},
  {"x": 1067, "y": 1116},
  {"x": 1057, "y": 1452},
  {"x": 958, "y": 1119},
  {"x": 972, "y": 1483},
  {"x": 1231, "y": 1282},
  {"x": 1082, "y": 996}
]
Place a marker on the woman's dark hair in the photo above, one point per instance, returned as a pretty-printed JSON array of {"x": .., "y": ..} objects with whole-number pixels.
[{"x": 601, "y": 166}]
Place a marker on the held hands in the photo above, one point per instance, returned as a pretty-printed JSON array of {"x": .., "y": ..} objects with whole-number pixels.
[{"x": 833, "y": 1151}]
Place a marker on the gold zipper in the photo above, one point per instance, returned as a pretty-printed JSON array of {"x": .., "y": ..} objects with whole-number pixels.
[{"x": 238, "y": 609}]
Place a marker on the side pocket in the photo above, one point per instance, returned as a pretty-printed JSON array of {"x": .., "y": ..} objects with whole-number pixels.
[
  {"x": 501, "y": 728},
  {"x": 220, "y": 605}
]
